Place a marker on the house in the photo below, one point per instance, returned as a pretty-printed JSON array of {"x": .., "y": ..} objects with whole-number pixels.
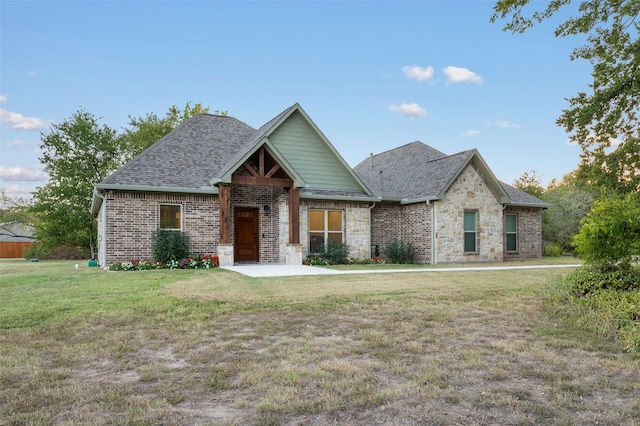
[
  {"x": 15, "y": 238},
  {"x": 277, "y": 193},
  {"x": 450, "y": 207}
]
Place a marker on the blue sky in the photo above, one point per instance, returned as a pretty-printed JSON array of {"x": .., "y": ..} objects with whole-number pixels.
[{"x": 372, "y": 75}]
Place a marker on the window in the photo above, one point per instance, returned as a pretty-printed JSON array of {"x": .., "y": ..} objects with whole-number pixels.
[
  {"x": 170, "y": 216},
  {"x": 324, "y": 225},
  {"x": 470, "y": 232},
  {"x": 512, "y": 232}
]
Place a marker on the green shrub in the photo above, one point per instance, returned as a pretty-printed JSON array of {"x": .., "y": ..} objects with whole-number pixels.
[
  {"x": 36, "y": 251},
  {"x": 61, "y": 252},
  {"x": 336, "y": 253},
  {"x": 333, "y": 253},
  {"x": 610, "y": 233},
  {"x": 552, "y": 249},
  {"x": 170, "y": 245},
  {"x": 399, "y": 251},
  {"x": 611, "y": 313},
  {"x": 592, "y": 278}
]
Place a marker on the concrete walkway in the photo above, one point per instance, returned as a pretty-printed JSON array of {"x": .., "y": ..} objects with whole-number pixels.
[{"x": 258, "y": 270}]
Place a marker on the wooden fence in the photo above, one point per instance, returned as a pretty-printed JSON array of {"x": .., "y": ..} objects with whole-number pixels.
[{"x": 13, "y": 249}]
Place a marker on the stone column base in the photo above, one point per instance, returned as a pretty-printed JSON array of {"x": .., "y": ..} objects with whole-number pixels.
[
  {"x": 293, "y": 254},
  {"x": 225, "y": 255}
]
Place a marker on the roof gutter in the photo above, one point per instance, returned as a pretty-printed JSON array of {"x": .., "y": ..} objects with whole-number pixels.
[
  {"x": 539, "y": 206},
  {"x": 433, "y": 231},
  {"x": 418, "y": 200},
  {"x": 171, "y": 189},
  {"x": 102, "y": 249},
  {"x": 363, "y": 199}
]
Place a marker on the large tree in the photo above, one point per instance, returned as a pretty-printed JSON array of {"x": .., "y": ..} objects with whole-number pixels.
[
  {"x": 604, "y": 121},
  {"x": 570, "y": 202},
  {"x": 530, "y": 182},
  {"x": 145, "y": 131},
  {"x": 77, "y": 153}
]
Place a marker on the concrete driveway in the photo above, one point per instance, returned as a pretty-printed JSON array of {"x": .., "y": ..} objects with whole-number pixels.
[{"x": 258, "y": 270}]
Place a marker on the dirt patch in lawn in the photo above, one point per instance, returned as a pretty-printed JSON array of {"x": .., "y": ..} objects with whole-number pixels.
[{"x": 403, "y": 352}]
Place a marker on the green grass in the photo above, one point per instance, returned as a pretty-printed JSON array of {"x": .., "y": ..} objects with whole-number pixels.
[{"x": 84, "y": 346}]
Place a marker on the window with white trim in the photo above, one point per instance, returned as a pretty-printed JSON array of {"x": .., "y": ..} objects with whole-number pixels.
[
  {"x": 470, "y": 231},
  {"x": 324, "y": 225},
  {"x": 170, "y": 216},
  {"x": 512, "y": 232}
]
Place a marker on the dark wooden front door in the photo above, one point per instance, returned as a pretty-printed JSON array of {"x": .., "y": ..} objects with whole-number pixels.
[{"x": 246, "y": 235}]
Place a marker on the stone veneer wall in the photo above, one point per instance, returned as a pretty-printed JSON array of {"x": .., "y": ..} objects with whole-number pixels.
[
  {"x": 409, "y": 223},
  {"x": 529, "y": 245},
  {"x": 132, "y": 217},
  {"x": 355, "y": 225},
  {"x": 468, "y": 192}
]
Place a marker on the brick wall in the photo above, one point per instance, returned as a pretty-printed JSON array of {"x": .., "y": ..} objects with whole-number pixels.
[
  {"x": 529, "y": 243},
  {"x": 410, "y": 223},
  {"x": 132, "y": 217}
]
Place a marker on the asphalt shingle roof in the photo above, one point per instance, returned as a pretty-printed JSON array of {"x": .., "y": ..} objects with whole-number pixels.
[
  {"x": 417, "y": 171},
  {"x": 199, "y": 150},
  {"x": 411, "y": 171},
  {"x": 206, "y": 146},
  {"x": 519, "y": 197}
]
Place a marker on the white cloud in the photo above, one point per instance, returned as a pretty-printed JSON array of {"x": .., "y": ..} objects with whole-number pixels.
[
  {"x": 22, "y": 174},
  {"x": 415, "y": 72},
  {"x": 18, "y": 142},
  {"x": 18, "y": 191},
  {"x": 33, "y": 73},
  {"x": 3, "y": 99},
  {"x": 506, "y": 124},
  {"x": 408, "y": 110},
  {"x": 471, "y": 133},
  {"x": 20, "y": 122},
  {"x": 461, "y": 75}
]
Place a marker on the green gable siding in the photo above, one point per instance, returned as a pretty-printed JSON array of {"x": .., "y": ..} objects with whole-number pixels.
[{"x": 307, "y": 152}]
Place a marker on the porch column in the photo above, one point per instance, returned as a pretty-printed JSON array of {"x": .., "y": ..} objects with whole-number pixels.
[
  {"x": 294, "y": 215},
  {"x": 225, "y": 214}
]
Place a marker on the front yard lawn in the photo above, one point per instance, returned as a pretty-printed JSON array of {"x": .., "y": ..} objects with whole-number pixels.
[{"x": 84, "y": 346}]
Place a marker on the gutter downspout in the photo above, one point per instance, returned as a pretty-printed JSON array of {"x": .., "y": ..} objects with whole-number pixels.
[
  {"x": 103, "y": 243},
  {"x": 370, "y": 245},
  {"x": 433, "y": 233}
]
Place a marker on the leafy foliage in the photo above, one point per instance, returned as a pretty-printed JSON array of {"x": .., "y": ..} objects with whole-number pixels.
[
  {"x": 145, "y": 131},
  {"x": 607, "y": 116},
  {"x": 77, "y": 154},
  {"x": 605, "y": 300},
  {"x": 399, "y": 251},
  {"x": 170, "y": 245},
  {"x": 591, "y": 278},
  {"x": 530, "y": 183},
  {"x": 552, "y": 249},
  {"x": 610, "y": 233},
  {"x": 570, "y": 202}
]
